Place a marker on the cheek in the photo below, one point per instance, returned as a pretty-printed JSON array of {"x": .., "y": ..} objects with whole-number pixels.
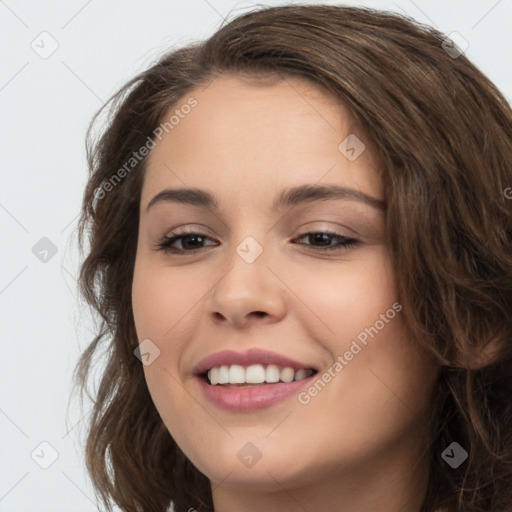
[
  {"x": 358, "y": 316},
  {"x": 160, "y": 298},
  {"x": 158, "y": 307},
  {"x": 343, "y": 298},
  {"x": 166, "y": 309},
  {"x": 332, "y": 299}
]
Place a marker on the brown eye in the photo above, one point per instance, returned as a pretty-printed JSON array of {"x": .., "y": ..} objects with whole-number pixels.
[
  {"x": 190, "y": 242},
  {"x": 324, "y": 240}
]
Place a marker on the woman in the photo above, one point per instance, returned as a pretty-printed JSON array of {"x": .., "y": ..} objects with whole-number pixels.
[{"x": 300, "y": 247}]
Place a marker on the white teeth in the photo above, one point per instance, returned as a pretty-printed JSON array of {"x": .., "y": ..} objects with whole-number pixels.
[
  {"x": 223, "y": 376},
  {"x": 301, "y": 374},
  {"x": 213, "y": 375},
  {"x": 236, "y": 374},
  {"x": 272, "y": 373},
  {"x": 255, "y": 374},
  {"x": 287, "y": 374}
]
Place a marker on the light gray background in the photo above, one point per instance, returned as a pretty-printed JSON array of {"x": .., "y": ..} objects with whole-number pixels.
[{"x": 46, "y": 105}]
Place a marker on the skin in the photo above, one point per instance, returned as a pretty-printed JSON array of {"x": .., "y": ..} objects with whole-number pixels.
[{"x": 359, "y": 440}]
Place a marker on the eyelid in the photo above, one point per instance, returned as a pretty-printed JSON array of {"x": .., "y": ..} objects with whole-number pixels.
[
  {"x": 301, "y": 230},
  {"x": 344, "y": 242},
  {"x": 188, "y": 229},
  {"x": 326, "y": 226}
]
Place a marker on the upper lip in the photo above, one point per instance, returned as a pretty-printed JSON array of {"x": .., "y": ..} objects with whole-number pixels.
[{"x": 251, "y": 356}]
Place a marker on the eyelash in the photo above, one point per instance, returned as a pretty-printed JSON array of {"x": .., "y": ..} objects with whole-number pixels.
[{"x": 165, "y": 243}]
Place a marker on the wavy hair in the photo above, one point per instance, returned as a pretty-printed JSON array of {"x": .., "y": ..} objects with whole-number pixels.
[{"x": 443, "y": 132}]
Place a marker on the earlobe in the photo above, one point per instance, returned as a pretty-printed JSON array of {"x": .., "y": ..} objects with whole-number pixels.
[
  {"x": 483, "y": 356},
  {"x": 489, "y": 353}
]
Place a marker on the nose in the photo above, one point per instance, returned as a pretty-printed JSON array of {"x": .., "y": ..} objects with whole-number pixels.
[{"x": 247, "y": 293}]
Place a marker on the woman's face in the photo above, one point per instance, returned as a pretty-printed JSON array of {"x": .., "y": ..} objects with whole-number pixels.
[{"x": 305, "y": 276}]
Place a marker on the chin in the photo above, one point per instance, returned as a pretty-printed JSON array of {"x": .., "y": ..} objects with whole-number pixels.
[{"x": 244, "y": 466}]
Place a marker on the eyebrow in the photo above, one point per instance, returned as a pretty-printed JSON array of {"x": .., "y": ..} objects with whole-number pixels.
[{"x": 289, "y": 197}]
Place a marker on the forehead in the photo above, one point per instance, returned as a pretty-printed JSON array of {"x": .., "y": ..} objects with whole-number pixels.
[{"x": 250, "y": 137}]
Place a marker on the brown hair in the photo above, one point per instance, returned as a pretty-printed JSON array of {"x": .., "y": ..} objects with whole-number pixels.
[{"x": 444, "y": 136}]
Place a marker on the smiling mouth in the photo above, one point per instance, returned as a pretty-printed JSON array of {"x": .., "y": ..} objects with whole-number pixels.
[{"x": 238, "y": 376}]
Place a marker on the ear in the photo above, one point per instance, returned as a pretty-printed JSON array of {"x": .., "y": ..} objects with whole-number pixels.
[{"x": 487, "y": 354}]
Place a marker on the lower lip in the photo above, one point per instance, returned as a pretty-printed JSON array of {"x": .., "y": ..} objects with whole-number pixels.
[{"x": 249, "y": 399}]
